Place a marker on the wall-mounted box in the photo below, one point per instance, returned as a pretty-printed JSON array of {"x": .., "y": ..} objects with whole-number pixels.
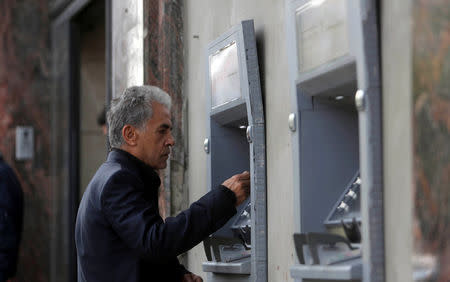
[
  {"x": 24, "y": 143},
  {"x": 235, "y": 142},
  {"x": 333, "y": 138}
]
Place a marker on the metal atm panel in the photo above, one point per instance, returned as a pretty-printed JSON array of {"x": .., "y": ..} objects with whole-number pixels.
[
  {"x": 331, "y": 68},
  {"x": 236, "y": 142}
]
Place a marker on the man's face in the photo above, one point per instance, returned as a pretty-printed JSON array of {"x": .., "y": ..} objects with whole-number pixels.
[{"x": 155, "y": 140}]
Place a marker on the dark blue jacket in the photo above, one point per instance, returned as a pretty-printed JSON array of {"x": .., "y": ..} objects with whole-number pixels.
[
  {"x": 120, "y": 235},
  {"x": 11, "y": 217}
]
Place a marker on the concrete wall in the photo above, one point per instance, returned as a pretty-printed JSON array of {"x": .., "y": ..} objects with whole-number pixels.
[
  {"x": 397, "y": 138},
  {"x": 203, "y": 22}
]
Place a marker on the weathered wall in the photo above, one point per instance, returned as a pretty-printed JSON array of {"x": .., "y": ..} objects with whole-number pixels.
[
  {"x": 204, "y": 21},
  {"x": 25, "y": 100},
  {"x": 163, "y": 67}
]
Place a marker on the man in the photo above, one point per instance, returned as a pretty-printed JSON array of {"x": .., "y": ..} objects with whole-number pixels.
[
  {"x": 11, "y": 218},
  {"x": 119, "y": 233}
]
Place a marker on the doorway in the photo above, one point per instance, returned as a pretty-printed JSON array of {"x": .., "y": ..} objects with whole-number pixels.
[{"x": 87, "y": 142}]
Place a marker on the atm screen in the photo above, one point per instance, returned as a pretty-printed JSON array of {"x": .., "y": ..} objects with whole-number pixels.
[{"x": 224, "y": 75}]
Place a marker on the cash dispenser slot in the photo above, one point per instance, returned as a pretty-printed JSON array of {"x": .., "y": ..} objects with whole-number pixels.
[
  {"x": 329, "y": 256},
  {"x": 231, "y": 254},
  {"x": 235, "y": 143},
  {"x": 336, "y": 254}
]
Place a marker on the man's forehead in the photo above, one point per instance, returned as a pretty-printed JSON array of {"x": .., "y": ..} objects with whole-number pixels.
[
  {"x": 161, "y": 114},
  {"x": 159, "y": 108}
]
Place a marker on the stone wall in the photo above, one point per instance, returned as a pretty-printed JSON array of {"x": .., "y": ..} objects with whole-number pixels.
[
  {"x": 25, "y": 100},
  {"x": 35, "y": 89},
  {"x": 163, "y": 67}
]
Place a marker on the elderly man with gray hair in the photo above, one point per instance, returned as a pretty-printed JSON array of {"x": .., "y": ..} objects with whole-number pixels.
[{"x": 119, "y": 233}]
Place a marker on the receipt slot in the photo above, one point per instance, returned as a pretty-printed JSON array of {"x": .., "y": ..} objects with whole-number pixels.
[
  {"x": 334, "y": 62},
  {"x": 235, "y": 142}
]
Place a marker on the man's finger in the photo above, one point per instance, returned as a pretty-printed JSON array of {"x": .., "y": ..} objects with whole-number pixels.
[
  {"x": 244, "y": 175},
  {"x": 244, "y": 179},
  {"x": 198, "y": 279}
]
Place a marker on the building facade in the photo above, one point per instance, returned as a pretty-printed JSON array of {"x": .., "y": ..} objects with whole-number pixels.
[{"x": 62, "y": 61}]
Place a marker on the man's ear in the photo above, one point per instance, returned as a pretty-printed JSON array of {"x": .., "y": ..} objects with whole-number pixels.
[{"x": 130, "y": 135}]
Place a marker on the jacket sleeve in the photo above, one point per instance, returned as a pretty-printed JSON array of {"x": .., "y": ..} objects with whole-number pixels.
[
  {"x": 179, "y": 269},
  {"x": 8, "y": 241},
  {"x": 11, "y": 213},
  {"x": 138, "y": 224}
]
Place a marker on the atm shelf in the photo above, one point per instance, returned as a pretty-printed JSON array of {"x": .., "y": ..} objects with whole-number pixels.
[
  {"x": 350, "y": 270},
  {"x": 243, "y": 267}
]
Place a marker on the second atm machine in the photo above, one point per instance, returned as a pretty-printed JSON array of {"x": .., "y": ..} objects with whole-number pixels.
[
  {"x": 235, "y": 142},
  {"x": 336, "y": 136}
]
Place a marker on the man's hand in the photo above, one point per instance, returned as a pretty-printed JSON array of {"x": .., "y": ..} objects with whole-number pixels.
[
  {"x": 191, "y": 277},
  {"x": 240, "y": 185}
]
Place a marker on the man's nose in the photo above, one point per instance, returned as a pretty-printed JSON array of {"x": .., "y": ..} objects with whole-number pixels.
[{"x": 170, "y": 141}]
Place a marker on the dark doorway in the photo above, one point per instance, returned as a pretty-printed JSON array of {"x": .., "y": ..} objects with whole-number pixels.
[{"x": 87, "y": 100}]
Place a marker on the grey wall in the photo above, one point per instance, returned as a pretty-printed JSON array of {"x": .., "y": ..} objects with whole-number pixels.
[
  {"x": 397, "y": 138},
  {"x": 204, "y": 21}
]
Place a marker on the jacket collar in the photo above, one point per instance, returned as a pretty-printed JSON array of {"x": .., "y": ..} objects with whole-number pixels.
[{"x": 146, "y": 172}]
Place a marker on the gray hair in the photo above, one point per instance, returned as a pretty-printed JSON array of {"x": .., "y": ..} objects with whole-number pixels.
[{"x": 133, "y": 108}]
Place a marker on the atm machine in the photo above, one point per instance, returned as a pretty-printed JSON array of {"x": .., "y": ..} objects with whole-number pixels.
[
  {"x": 336, "y": 140},
  {"x": 235, "y": 142}
]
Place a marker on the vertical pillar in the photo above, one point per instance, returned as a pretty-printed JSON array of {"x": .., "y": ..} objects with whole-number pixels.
[
  {"x": 127, "y": 45},
  {"x": 163, "y": 67}
]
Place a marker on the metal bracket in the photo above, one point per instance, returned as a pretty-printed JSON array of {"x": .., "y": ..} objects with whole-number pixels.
[
  {"x": 249, "y": 134},
  {"x": 206, "y": 145},
  {"x": 360, "y": 100},
  {"x": 292, "y": 121}
]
